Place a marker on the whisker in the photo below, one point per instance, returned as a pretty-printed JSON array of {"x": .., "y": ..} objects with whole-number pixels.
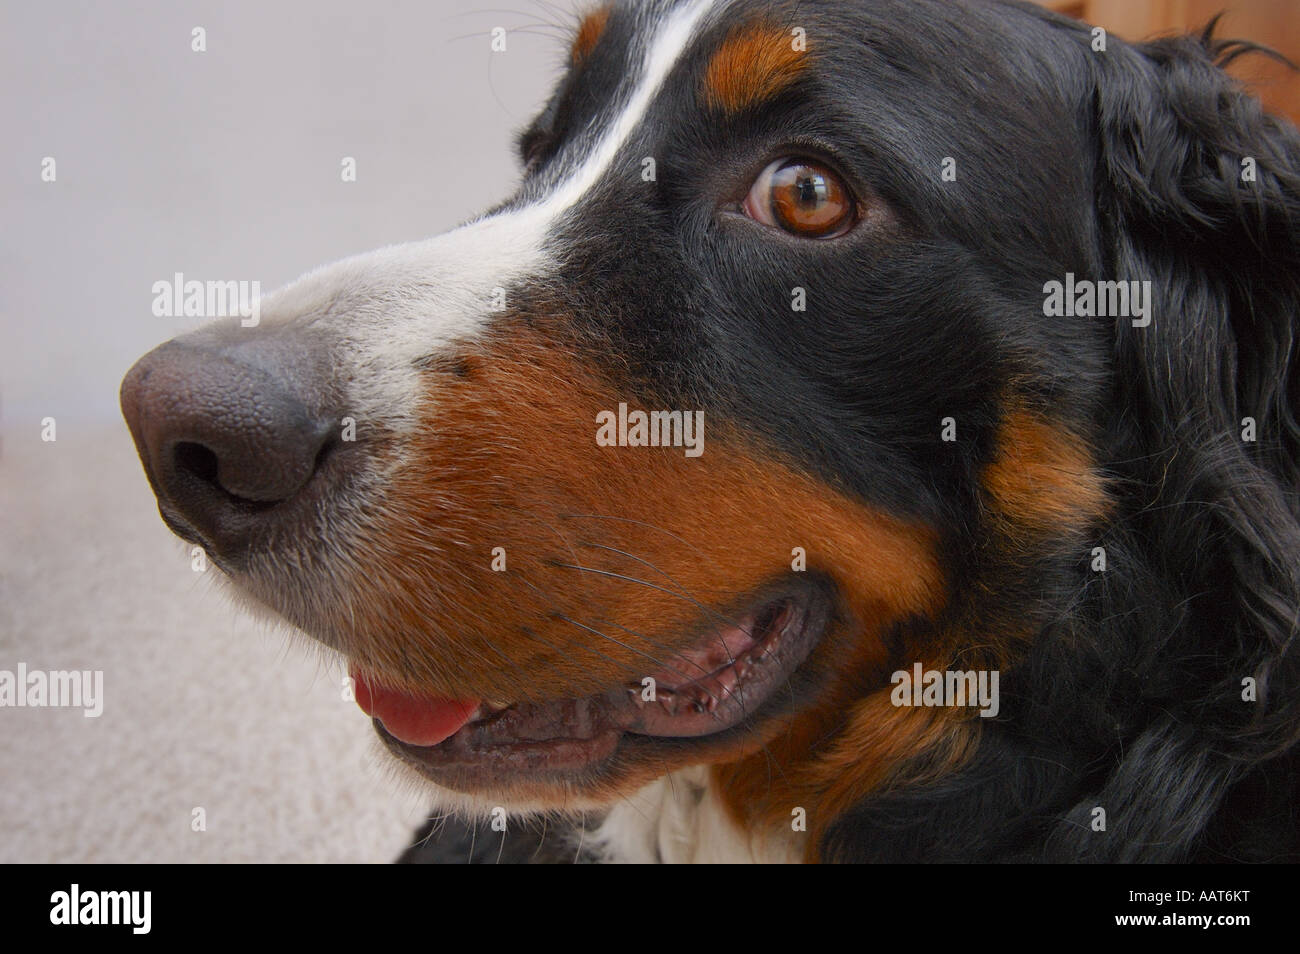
[
  {"x": 557, "y": 615},
  {"x": 631, "y": 579},
  {"x": 658, "y": 662},
  {"x": 486, "y": 34},
  {"x": 532, "y": 634},
  {"x": 639, "y": 523},
  {"x": 685, "y": 595},
  {"x": 584, "y": 626},
  {"x": 581, "y": 838}
]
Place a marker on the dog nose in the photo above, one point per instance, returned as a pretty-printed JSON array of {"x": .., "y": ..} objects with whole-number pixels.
[{"x": 225, "y": 433}]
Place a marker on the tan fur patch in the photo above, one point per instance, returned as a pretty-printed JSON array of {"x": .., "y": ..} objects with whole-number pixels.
[
  {"x": 1041, "y": 481},
  {"x": 509, "y": 459},
  {"x": 830, "y": 761},
  {"x": 1042, "y": 477},
  {"x": 589, "y": 32},
  {"x": 753, "y": 64}
]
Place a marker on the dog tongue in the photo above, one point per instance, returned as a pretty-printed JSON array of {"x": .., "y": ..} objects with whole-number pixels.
[{"x": 413, "y": 719}]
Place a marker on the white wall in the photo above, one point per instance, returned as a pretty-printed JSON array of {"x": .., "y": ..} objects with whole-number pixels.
[{"x": 225, "y": 164}]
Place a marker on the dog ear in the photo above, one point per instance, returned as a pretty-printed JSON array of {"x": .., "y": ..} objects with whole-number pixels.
[{"x": 1199, "y": 193}]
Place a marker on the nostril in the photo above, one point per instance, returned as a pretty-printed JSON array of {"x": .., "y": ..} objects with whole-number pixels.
[
  {"x": 196, "y": 460},
  {"x": 200, "y": 463}
]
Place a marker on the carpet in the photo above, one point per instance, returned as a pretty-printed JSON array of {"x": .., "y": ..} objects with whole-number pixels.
[{"x": 203, "y": 708}]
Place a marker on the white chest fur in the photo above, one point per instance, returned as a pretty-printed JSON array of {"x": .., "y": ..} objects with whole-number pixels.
[{"x": 679, "y": 819}]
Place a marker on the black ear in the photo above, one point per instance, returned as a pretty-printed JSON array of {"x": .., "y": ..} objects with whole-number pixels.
[{"x": 1199, "y": 193}]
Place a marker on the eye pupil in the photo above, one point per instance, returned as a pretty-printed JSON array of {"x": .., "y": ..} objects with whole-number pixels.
[{"x": 811, "y": 191}]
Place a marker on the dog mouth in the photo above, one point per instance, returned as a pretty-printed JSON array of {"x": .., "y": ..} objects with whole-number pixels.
[{"x": 736, "y": 675}]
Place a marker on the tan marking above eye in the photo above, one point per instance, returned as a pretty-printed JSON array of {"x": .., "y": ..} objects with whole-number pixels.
[
  {"x": 755, "y": 62},
  {"x": 802, "y": 197}
]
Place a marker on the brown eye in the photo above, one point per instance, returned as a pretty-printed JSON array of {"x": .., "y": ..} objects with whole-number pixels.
[{"x": 801, "y": 197}]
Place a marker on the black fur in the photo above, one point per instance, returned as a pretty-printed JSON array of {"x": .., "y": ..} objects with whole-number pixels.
[{"x": 449, "y": 840}]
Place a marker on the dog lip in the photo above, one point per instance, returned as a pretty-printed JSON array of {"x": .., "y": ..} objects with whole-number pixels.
[
  {"x": 724, "y": 695},
  {"x": 740, "y": 666}
]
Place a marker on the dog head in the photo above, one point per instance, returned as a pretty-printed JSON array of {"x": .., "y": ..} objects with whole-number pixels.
[{"x": 775, "y": 380}]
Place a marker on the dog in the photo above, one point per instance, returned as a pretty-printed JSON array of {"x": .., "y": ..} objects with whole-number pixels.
[{"x": 869, "y": 433}]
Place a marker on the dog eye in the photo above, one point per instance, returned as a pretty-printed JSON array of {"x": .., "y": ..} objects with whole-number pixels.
[{"x": 802, "y": 197}]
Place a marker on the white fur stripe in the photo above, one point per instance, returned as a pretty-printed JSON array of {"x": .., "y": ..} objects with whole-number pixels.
[
  {"x": 662, "y": 55},
  {"x": 387, "y": 309}
]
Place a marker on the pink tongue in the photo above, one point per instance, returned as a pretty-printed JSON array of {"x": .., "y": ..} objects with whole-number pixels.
[{"x": 414, "y": 720}]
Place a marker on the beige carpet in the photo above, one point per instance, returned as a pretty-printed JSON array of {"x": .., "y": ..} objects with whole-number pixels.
[{"x": 203, "y": 707}]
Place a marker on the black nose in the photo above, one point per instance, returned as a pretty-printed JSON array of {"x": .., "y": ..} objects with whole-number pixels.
[{"x": 227, "y": 434}]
